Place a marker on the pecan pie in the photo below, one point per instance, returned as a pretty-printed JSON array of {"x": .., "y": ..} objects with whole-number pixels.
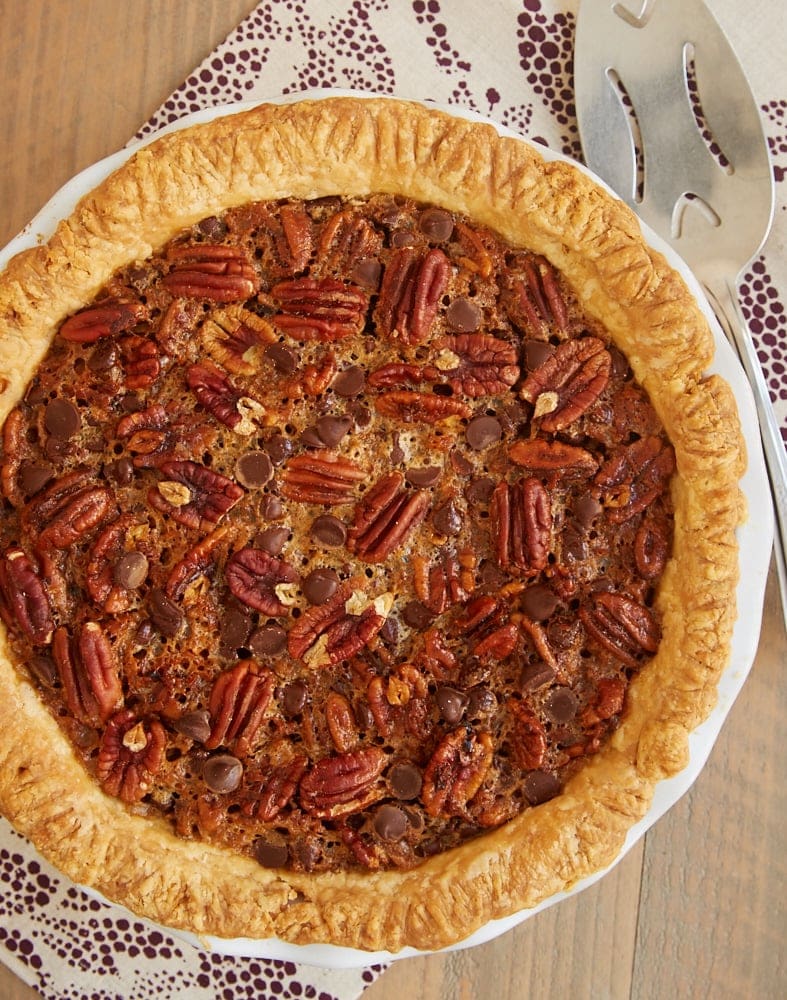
[{"x": 368, "y": 539}]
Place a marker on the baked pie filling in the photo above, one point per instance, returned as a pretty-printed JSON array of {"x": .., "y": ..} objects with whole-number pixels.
[
  {"x": 368, "y": 541},
  {"x": 332, "y": 532}
]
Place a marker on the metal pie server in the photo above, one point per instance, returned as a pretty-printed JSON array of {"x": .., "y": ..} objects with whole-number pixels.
[{"x": 667, "y": 118}]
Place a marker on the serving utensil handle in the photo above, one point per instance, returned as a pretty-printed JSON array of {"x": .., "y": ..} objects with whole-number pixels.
[{"x": 723, "y": 297}]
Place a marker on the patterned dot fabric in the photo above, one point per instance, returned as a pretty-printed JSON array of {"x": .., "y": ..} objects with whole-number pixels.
[{"x": 513, "y": 61}]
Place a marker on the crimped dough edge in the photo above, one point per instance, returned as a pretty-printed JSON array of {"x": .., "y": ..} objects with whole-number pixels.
[{"x": 352, "y": 146}]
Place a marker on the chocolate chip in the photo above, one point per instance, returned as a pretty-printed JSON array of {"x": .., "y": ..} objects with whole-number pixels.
[
  {"x": 451, "y": 703},
  {"x": 272, "y": 540},
  {"x": 103, "y": 356},
  {"x": 284, "y": 360},
  {"x": 535, "y": 675},
  {"x": 390, "y": 822},
  {"x": 483, "y": 431},
  {"x": 539, "y": 602},
  {"x": 460, "y": 465},
  {"x": 463, "y": 315},
  {"x": 271, "y": 508},
  {"x": 436, "y": 224},
  {"x": 310, "y": 438},
  {"x": 294, "y": 698},
  {"x": 268, "y": 640},
  {"x": 130, "y": 570},
  {"x": 402, "y": 238},
  {"x": 480, "y": 489},
  {"x": 350, "y": 382},
  {"x": 35, "y": 394},
  {"x": 586, "y": 510},
  {"x": 540, "y": 786},
  {"x": 390, "y": 631},
  {"x": 491, "y": 574},
  {"x": 480, "y": 701},
  {"x": 367, "y": 273},
  {"x": 213, "y": 227},
  {"x": 397, "y": 452},
  {"x": 620, "y": 365},
  {"x": 131, "y": 403},
  {"x": 122, "y": 471},
  {"x": 33, "y": 476},
  {"x": 56, "y": 448},
  {"x": 194, "y": 725},
  {"x": 417, "y": 615},
  {"x": 405, "y": 781},
  {"x": 320, "y": 585},
  {"x": 573, "y": 542},
  {"x": 222, "y": 774},
  {"x": 332, "y": 429},
  {"x": 329, "y": 530},
  {"x": 62, "y": 419},
  {"x": 561, "y": 705},
  {"x": 363, "y": 716},
  {"x": 424, "y": 476},
  {"x": 253, "y": 469},
  {"x": 537, "y": 352},
  {"x": 235, "y": 628},
  {"x": 166, "y": 616},
  {"x": 43, "y": 668},
  {"x": 279, "y": 448},
  {"x": 361, "y": 414},
  {"x": 271, "y": 855},
  {"x": 447, "y": 519}
]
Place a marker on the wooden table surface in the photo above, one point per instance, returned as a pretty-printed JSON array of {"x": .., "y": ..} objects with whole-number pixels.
[{"x": 698, "y": 908}]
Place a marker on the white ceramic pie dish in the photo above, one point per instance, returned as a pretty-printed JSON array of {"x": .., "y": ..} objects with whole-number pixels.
[{"x": 755, "y": 538}]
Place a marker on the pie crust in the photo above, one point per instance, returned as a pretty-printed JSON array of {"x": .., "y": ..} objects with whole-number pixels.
[{"x": 354, "y": 147}]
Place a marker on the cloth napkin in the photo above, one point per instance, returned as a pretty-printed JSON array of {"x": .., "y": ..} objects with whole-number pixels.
[{"x": 511, "y": 60}]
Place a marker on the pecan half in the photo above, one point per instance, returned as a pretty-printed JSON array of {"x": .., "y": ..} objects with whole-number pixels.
[
  {"x": 346, "y": 239},
  {"x": 275, "y": 791},
  {"x": 568, "y": 382},
  {"x": 420, "y": 407},
  {"x": 89, "y": 673},
  {"x": 260, "y": 581},
  {"x": 131, "y": 753},
  {"x": 321, "y": 477},
  {"x": 238, "y": 702},
  {"x": 24, "y": 605},
  {"x": 145, "y": 433},
  {"x": 210, "y": 495},
  {"x": 543, "y": 456},
  {"x": 341, "y": 721},
  {"x": 340, "y": 628},
  {"x": 141, "y": 363},
  {"x": 623, "y": 627},
  {"x": 77, "y": 516},
  {"x": 205, "y": 271},
  {"x": 108, "y": 548},
  {"x": 385, "y": 518},
  {"x": 651, "y": 547},
  {"x": 455, "y": 772},
  {"x": 319, "y": 309},
  {"x": 451, "y": 580},
  {"x": 233, "y": 337},
  {"x": 486, "y": 365},
  {"x": 197, "y": 565},
  {"x": 105, "y": 319},
  {"x": 345, "y": 783},
  {"x": 412, "y": 286},
  {"x": 220, "y": 397},
  {"x": 538, "y": 302},
  {"x": 296, "y": 226},
  {"x": 634, "y": 477},
  {"x": 529, "y": 743},
  {"x": 401, "y": 374},
  {"x": 521, "y": 517}
]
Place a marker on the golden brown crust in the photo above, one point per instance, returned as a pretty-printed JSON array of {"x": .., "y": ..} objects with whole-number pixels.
[{"x": 350, "y": 146}]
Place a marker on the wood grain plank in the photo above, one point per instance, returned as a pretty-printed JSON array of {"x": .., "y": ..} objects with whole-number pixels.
[
  {"x": 582, "y": 948},
  {"x": 81, "y": 76},
  {"x": 713, "y": 914}
]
